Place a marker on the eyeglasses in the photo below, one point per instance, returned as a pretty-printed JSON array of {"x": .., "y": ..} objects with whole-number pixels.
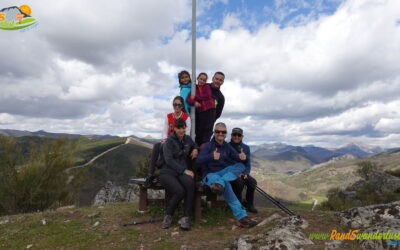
[
  {"x": 177, "y": 105},
  {"x": 238, "y": 135},
  {"x": 220, "y": 132}
]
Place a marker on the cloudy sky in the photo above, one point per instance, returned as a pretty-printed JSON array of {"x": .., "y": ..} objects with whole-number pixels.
[{"x": 322, "y": 72}]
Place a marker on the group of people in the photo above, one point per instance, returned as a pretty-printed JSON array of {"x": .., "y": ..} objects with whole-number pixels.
[{"x": 225, "y": 167}]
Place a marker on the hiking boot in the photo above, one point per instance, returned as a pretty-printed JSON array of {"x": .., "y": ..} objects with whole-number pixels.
[
  {"x": 250, "y": 207},
  {"x": 167, "y": 221},
  {"x": 217, "y": 189},
  {"x": 246, "y": 222},
  {"x": 185, "y": 223}
]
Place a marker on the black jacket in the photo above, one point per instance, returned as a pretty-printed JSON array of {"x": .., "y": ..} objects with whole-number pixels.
[
  {"x": 219, "y": 101},
  {"x": 176, "y": 154}
]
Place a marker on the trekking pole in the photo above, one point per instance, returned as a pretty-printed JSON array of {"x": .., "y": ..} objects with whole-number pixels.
[
  {"x": 134, "y": 223},
  {"x": 271, "y": 199},
  {"x": 274, "y": 201}
]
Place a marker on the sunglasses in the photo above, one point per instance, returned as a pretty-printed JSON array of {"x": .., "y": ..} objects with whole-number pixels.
[
  {"x": 238, "y": 135},
  {"x": 177, "y": 105},
  {"x": 220, "y": 132}
]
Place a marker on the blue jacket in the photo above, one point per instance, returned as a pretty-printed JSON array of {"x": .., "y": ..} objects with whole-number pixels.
[
  {"x": 246, "y": 151},
  {"x": 228, "y": 157},
  {"x": 185, "y": 91}
]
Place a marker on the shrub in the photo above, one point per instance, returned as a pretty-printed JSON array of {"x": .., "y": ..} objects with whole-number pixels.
[
  {"x": 37, "y": 181},
  {"x": 394, "y": 172},
  {"x": 365, "y": 168},
  {"x": 144, "y": 166}
]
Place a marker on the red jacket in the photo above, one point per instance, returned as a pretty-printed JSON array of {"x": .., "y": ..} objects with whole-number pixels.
[{"x": 204, "y": 97}]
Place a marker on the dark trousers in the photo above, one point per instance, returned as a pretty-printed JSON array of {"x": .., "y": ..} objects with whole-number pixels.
[
  {"x": 181, "y": 187},
  {"x": 204, "y": 126},
  {"x": 238, "y": 186}
]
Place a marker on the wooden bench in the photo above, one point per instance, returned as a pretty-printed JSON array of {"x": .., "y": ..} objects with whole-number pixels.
[{"x": 201, "y": 190}]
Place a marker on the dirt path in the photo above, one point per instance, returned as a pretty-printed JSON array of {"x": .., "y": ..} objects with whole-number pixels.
[{"x": 128, "y": 140}]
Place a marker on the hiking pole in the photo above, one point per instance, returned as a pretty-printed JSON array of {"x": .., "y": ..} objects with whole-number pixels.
[
  {"x": 274, "y": 201},
  {"x": 142, "y": 222},
  {"x": 271, "y": 199}
]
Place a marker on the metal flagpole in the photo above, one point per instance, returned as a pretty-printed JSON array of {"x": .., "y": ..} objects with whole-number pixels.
[{"x": 193, "y": 90}]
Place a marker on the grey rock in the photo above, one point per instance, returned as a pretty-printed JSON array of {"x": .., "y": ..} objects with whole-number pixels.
[
  {"x": 333, "y": 244},
  {"x": 364, "y": 217},
  {"x": 286, "y": 238},
  {"x": 286, "y": 235},
  {"x": 373, "y": 220},
  {"x": 391, "y": 226},
  {"x": 383, "y": 182},
  {"x": 243, "y": 245},
  {"x": 380, "y": 181},
  {"x": 3, "y": 222},
  {"x": 295, "y": 222},
  {"x": 269, "y": 219},
  {"x": 184, "y": 247},
  {"x": 112, "y": 193}
]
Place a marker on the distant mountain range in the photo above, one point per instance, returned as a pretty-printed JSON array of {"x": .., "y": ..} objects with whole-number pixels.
[
  {"x": 12, "y": 132},
  {"x": 310, "y": 153},
  {"x": 277, "y": 155}
]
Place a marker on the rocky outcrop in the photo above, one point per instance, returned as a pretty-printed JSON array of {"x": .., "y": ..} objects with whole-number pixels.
[
  {"x": 377, "y": 181},
  {"x": 373, "y": 219},
  {"x": 380, "y": 182},
  {"x": 286, "y": 235},
  {"x": 365, "y": 217},
  {"x": 111, "y": 193}
]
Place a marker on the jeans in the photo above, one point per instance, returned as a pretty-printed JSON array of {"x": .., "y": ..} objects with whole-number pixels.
[{"x": 224, "y": 177}]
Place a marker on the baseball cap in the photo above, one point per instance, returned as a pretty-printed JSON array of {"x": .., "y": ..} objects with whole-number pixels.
[{"x": 237, "y": 131}]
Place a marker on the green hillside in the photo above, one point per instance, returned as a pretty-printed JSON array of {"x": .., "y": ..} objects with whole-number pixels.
[
  {"x": 87, "y": 148},
  {"x": 340, "y": 174},
  {"x": 118, "y": 166}
]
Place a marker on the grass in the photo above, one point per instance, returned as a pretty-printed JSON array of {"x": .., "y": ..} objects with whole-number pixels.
[
  {"x": 74, "y": 228},
  {"x": 88, "y": 148}
]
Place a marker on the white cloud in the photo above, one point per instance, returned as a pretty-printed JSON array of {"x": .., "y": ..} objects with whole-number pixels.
[{"x": 327, "y": 79}]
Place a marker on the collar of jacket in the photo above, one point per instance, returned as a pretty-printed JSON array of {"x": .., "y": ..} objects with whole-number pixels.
[
  {"x": 236, "y": 146},
  {"x": 175, "y": 137},
  {"x": 216, "y": 143},
  {"x": 183, "y": 86}
]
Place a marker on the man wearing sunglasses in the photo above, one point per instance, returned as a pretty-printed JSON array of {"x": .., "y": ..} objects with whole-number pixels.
[
  {"x": 221, "y": 165},
  {"x": 244, "y": 178}
]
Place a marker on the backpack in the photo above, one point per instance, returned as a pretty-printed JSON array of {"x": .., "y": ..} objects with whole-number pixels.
[{"x": 160, "y": 159}]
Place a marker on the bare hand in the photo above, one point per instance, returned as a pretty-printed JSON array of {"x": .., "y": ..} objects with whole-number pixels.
[
  {"x": 197, "y": 104},
  {"x": 192, "y": 96},
  {"x": 216, "y": 154},
  {"x": 244, "y": 176},
  {"x": 242, "y": 155},
  {"x": 194, "y": 153},
  {"x": 190, "y": 173}
]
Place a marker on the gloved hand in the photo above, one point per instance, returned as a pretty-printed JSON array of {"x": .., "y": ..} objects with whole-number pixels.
[{"x": 149, "y": 180}]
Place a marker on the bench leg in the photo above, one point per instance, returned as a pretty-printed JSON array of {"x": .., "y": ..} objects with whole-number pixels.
[
  {"x": 197, "y": 207},
  {"x": 143, "y": 199}
]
